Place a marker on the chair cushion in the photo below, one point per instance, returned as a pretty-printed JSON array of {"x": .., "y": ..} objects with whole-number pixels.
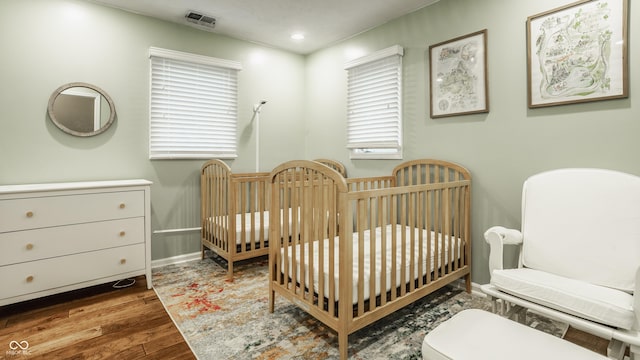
[
  {"x": 477, "y": 335},
  {"x": 592, "y": 302},
  {"x": 583, "y": 224}
]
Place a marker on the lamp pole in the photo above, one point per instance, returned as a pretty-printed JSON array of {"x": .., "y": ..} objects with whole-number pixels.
[{"x": 256, "y": 114}]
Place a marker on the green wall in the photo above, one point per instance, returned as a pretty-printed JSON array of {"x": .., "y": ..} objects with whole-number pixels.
[
  {"x": 501, "y": 148},
  {"x": 47, "y": 43}
]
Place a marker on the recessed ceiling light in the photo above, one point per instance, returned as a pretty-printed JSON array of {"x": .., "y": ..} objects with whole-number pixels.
[{"x": 297, "y": 36}]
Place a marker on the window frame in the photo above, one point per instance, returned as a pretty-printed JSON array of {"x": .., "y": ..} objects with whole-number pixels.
[
  {"x": 383, "y": 151},
  {"x": 174, "y": 151}
]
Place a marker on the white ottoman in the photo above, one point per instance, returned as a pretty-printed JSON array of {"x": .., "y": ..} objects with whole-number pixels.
[{"x": 478, "y": 334}]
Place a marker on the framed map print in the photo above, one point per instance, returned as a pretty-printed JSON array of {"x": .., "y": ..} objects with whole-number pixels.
[
  {"x": 458, "y": 76},
  {"x": 578, "y": 53}
]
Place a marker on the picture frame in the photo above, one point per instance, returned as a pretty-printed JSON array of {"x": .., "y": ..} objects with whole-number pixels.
[
  {"x": 458, "y": 76},
  {"x": 578, "y": 53}
]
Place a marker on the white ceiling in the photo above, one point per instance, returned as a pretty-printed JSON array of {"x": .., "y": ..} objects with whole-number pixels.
[{"x": 271, "y": 22}]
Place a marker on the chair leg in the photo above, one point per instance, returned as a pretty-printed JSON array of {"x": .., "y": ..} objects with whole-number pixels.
[
  {"x": 521, "y": 316},
  {"x": 634, "y": 352},
  {"x": 505, "y": 307},
  {"x": 615, "y": 349},
  {"x": 516, "y": 312},
  {"x": 495, "y": 307}
]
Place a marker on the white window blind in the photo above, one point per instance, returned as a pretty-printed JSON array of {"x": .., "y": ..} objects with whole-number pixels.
[
  {"x": 374, "y": 104},
  {"x": 193, "y": 106}
]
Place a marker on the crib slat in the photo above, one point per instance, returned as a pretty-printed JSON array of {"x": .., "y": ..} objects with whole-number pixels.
[
  {"x": 394, "y": 247},
  {"x": 286, "y": 203},
  {"x": 412, "y": 240},
  {"x": 421, "y": 240},
  {"x": 437, "y": 222},
  {"x": 383, "y": 204},
  {"x": 373, "y": 224},
  {"x": 362, "y": 221},
  {"x": 319, "y": 230},
  {"x": 403, "y": 242},
  {"x": 332, "y": 247},
  {"x": 314, "y": 227}
]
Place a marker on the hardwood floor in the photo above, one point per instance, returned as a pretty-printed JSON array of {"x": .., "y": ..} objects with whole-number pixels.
[
  {"x": 588, "y": 341},
  {"x": 101, "y": 322},
  {"x": 94, "y": 323}
]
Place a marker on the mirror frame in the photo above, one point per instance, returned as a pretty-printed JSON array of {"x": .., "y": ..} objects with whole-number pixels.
[{"x": 58, "y": 91}]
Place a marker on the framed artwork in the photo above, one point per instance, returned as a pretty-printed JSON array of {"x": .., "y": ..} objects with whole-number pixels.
[
  {"x": 578, "y": 53},
  {"x": 458, "y": 76}
]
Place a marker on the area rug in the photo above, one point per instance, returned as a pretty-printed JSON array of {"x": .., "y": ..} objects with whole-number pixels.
[{"x": 230, "y": 320}]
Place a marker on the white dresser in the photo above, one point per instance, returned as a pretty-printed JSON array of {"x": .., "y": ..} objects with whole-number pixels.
[{"x": 64, "y": 236}]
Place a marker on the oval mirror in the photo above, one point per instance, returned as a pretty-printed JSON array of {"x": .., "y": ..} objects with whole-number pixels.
[{"x": 81, "y": 109}]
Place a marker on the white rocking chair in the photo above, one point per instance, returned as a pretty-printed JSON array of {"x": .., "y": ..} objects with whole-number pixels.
[{"x": 579, "y": 259}]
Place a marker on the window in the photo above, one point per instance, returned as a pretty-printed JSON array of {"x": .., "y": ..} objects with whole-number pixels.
[
  {"x": 374, "y": 105},
  {"x": 193, "y": 106}
]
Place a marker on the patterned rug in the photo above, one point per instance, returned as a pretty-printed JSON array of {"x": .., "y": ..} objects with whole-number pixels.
[{"x": 231, "y": 320}]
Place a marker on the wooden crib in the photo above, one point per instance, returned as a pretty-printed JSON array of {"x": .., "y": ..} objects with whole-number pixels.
[
  {"x": 367, "y": 246},
  {"x": 234, "y": 213}
]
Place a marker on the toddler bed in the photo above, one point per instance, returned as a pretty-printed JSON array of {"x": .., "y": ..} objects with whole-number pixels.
[{"x": 367, "y": 246}]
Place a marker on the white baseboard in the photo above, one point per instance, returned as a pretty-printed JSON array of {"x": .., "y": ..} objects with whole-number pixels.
[
  {"x": 176, "y": 259},
  {"x": 475, "y": 287}
]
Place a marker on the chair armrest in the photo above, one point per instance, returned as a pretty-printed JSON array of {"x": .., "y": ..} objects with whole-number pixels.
[{"x": 497, "y": 237}]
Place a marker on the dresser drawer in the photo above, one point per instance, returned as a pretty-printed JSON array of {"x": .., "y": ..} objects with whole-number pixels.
[
  {"x": 32, "y": 277},
  {"x": 46, "y": 211},
  {"x": 29, "y": 245}
]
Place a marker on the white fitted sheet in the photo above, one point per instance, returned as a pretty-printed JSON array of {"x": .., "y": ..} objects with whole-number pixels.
[
  {"x": 259, "y": 224},
  {"x": 443, "y": 246}
]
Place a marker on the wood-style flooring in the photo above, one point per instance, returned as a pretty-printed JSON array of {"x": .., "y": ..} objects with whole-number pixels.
[
  {"x": 94, "y": 323},
  {"x": 105, "y": 323}
]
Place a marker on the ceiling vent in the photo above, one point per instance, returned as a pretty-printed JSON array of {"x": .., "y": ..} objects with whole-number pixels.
[{"x": 197, "y": 18}]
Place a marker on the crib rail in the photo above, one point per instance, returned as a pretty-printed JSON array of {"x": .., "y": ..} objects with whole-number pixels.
[
  {"x": 428, "y": 171},
  {"x": 335, "y": 165},
  {"x": 370, "y": 183}
]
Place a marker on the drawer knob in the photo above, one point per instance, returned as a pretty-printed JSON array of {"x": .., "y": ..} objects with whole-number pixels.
[
  {"x": 122, "y": 233},
  {"x": 123, "y": 261},
  {"x": 30, "y": 278},
  {"x": 122, "y": 205},
  {"x": 29, "y": 214},
  {"x": 29, "y": 246}
]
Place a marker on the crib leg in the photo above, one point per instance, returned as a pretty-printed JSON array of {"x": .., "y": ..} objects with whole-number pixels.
[
  {"x": 230, "y": 271},
  {"x": 272, "y": 300},
  {"x": 634, "y": 352},
  {"x": 343, "y": 344},
  {"x": 467, "y": 282},
  {"x": 202, "y": 251}
]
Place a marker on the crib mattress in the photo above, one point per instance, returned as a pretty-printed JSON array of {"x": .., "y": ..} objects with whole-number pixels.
[
  {"x": 260, "y": 224},
  {"x": 435, "y": 257}
]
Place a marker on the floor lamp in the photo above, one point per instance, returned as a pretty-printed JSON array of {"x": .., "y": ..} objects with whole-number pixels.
[{"x": 256, "y": 116}]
